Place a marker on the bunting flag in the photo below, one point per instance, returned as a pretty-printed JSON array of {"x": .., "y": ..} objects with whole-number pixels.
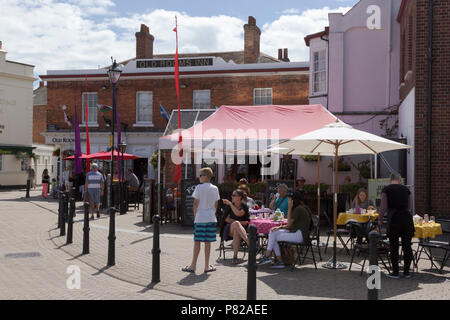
[
  {"x": 177, "y": 176},
  {"x": 164, "y": 112},
  {"x": 66, "y": 118},
  {"x": 78, "y": 160},
  {"x": 103, "y": 107},
  {"x": 86, "y": 117}
]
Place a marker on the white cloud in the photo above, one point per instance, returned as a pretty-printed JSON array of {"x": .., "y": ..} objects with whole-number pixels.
[
  {"x": 52, "y": 35},
  {"x": 291, "y": 11}
]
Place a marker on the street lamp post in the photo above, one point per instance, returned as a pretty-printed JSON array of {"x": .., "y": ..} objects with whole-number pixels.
[
  {"x": 123, "y": 200},
  {"x": 114, "y": 75}
]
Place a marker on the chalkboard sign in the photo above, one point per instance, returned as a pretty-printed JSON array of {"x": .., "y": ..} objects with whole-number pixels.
[
  {"x": 288, "y": 169},
  {"x": 187, "y": 202},
  {"x": 190, "y": 172},
  {"x": 147, "y": 208},
  {"x": 272, "y": 188}
]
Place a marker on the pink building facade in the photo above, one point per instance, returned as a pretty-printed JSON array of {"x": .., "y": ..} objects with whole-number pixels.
[{"x": 355, "y": 73}]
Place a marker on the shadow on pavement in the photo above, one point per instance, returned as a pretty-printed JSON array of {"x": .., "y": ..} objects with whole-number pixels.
[{"x": 192, "y": 279}]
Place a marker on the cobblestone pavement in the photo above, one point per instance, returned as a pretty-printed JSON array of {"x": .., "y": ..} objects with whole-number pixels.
[{"x": 30, "y": 226}]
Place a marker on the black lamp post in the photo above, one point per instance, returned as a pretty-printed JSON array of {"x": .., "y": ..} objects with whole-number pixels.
[
  {"x": 114, "y": 75},
  {"x": 123, "y": 200}
]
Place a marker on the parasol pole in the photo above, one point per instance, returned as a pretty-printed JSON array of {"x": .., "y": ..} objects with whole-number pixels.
[
  {"x": 318, "y": 186},
  {"x": 335, "y": 201}
]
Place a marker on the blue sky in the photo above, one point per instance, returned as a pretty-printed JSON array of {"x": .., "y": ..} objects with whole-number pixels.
[{"x": 84, "y": 34}]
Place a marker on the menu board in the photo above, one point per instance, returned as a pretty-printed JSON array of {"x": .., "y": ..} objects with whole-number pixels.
[
  {"x": 272, "y": 188},
  {"x": 187, "y": 202},
  {"x": 190, "y": 172},
  {"x": 147, "y": 207}
]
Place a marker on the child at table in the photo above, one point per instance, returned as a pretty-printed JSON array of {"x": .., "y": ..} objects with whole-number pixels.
[
  {"x": 206, "y": 201},
  {"x": 297, "y": 230}
]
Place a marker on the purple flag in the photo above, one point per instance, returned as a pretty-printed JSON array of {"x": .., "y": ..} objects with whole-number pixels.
[
  {"x": 78, "y": 160},
  {"x": 118, "y": 137}
]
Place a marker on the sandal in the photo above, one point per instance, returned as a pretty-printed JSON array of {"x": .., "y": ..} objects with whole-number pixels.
[
  {"x": 211, "y": 269},
  {"x": 186, "y": 269}
]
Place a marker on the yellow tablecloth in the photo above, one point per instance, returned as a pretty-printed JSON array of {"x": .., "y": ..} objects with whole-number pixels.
[
  {"x": 427, "y": 230},
  {"x": 344, "y": 217}
]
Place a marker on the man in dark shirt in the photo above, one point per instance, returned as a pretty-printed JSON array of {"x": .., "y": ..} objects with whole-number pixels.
[{"x": 395, "y": 200}]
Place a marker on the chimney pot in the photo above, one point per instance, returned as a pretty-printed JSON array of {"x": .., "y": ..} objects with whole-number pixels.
[
  {"x": 286, "y": 57},
  {"x": 280, "y": 54}
]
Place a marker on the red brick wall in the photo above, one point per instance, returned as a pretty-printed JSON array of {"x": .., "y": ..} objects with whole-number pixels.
[
  {"x": 440, "y": 166},
  {"x": 287, "y": 90},
  {"x": 39, "y": 123}
]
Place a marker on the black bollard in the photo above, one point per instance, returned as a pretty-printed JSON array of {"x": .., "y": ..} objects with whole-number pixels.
[
  {"x": 156, "y": 251},
  {"x": 251, "y": 268},
  {"x": 27, "y": 195},
  {"x": 60, "y": 209},
  {"x": 373, "y": 261},
  {"x": 70, "y": 221},
  {"x": 112, "y": 237},
  {"x": 64, "y": 210},
  {"x": 86, "y": 229}
]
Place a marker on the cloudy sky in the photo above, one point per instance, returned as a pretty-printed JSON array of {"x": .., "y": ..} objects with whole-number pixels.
[{"x": 77, "y": 34}]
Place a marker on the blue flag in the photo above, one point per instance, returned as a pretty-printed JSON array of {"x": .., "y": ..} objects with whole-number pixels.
[{"x": 164, "y": 112}]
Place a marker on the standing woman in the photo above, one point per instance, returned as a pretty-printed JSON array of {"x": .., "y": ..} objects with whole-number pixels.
[{"x": 45, "y": 183}]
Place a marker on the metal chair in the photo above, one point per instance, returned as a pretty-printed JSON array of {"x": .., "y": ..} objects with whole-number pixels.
[
  {"x": 339, "y": 233},
  {"x": 362, "y": 230},
  {"x": 315, "y": 234},
  {"x": 438, "y": 245},
  {"x": 300, "y": 259},
  {"x": 222, "y": 224}
]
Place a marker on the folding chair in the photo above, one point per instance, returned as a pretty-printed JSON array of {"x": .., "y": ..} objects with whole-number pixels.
[{"x": 339, "y": 233}]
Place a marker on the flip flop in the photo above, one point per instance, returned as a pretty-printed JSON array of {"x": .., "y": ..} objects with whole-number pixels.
[
  {"x": 186, "y": 269},
  {"x": 211, "y": 269}
]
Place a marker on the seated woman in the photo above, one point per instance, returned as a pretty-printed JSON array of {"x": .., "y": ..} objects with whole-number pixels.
[
  {"x": 297, "y": 229},
  {"x": 237, "y": 219},
  {"x": 247, "y": 200},
  {"x": 362, "y": 200},
  {"x": 281, "y": 202}
]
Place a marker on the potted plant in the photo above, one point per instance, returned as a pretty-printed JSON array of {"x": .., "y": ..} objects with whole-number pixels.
[
  {"x": 154, "y": 161},
  {"x": 364, "y": 169},
  {"x": 310, "y": 158}
]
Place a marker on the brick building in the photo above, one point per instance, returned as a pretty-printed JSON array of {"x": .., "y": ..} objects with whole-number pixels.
[
  {"x": 247, "y": 77},
  {"x": 425, "y": 110}
]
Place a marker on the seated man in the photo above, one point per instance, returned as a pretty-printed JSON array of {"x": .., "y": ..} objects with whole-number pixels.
[{"x": 132, "y": 180}]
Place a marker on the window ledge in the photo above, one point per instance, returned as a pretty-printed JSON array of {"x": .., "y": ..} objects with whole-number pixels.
[
  {"x": 144, "y": 124},
  {"x": 91, "y": 125}
]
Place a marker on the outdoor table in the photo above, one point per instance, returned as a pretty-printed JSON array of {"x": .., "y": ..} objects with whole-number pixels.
[
  {"x": 345, "y": 217},
  {"x": 265, "y": 225},
  {"x": 427, "y": 230}
]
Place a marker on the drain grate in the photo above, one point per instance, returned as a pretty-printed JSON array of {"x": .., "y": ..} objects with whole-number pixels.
[{"x": 22, "y": 255}]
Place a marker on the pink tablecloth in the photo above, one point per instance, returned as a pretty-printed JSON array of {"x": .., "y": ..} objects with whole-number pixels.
[{"x": 265, "y": 225}]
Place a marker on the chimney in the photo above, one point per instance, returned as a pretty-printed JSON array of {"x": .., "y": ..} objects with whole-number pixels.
[
  {"x": 144, "y": 43},
  {"x": 286, "y": 57},
  {"x": 280, "y": 54},
  {"x": 252, "y": 36}
]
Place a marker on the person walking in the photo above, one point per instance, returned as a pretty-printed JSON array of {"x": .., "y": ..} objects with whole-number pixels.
[
  {"x": 45, "y": 183},
  {"x": 396, "y": 202},
  {"x": 94, "y": 188},
  {"x": 206, "y": 201},
  {"x": 32, "y": 177}
]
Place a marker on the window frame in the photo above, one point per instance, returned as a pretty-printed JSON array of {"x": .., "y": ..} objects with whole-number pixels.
[
  {"x": 1, "y": 162},
  {"x": 261, "y": 97},
  {"x": 193, "y": 99},
  {"x": 317, "y": 73},
  {"x": 142, "y": 122},
  {"x": 83, "y": 113}
]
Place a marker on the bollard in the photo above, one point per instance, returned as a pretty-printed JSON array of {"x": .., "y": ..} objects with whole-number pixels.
[
  {"x": 27, "y": 195},
  {"x": 63, "y": 214},
  {"x": 156, "y": 251},
  {"x": 60, "y": 206},
  {"x": 373, "y": 261},
  {"x": 112, "y": 237},
  {"x": 70, "y": 221},
  {"x": 86, "y": 229},
  {"x": 251, "y": 268}
]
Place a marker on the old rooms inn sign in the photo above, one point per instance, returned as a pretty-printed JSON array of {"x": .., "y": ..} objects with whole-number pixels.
[{"x": 198, "y": 62}]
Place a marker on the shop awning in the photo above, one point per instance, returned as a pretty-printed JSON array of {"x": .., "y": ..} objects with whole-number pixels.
[
  {"x": 242, "y": 128},
  {"x": 12, "y": 149}
]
